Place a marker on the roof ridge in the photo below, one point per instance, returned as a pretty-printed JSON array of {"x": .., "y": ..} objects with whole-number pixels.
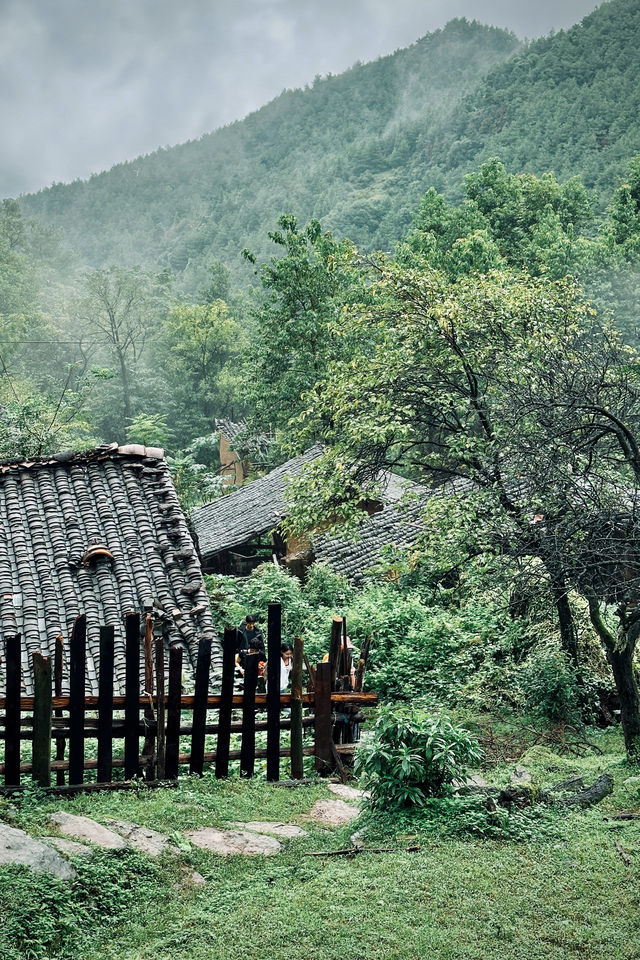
[{"x": 105, "y": 450}]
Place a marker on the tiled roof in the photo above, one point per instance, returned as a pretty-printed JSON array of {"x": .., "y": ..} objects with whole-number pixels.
[
  {"x": 52, "y": 510},
  {"x": 261, "y": 505},
  {"x": 397, "y": 526},
  {"x": 253, "y": 509}
]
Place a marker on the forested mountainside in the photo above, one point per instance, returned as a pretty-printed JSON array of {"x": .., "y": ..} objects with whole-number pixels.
[{"x": 340, "y": 150}]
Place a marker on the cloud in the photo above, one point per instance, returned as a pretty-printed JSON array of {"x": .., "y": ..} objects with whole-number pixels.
[{"x": 85, "y": 85}]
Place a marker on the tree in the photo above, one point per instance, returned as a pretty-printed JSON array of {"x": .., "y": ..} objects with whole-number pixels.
[
  {"x": 119, "y": 311},
  {"x": 200, "y": 345},
  {"x": 504, "y": 385},
  {"x": 295, "y": 339}
]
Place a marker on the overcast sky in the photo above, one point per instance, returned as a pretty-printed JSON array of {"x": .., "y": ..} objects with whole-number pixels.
[{"x": 87, "y": 83}]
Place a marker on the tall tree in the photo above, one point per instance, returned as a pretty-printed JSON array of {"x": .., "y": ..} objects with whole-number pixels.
[
  {"x": 118, "y": 313},
  {"x": 503, "y": 385}
]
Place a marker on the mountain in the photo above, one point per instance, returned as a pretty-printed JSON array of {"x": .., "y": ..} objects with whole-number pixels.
[
  {"x": 326, "y": 151},
  {"x": 358, "y": 150}
]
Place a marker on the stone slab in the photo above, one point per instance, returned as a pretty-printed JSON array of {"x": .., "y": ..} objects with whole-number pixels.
[
  {"x": 142, "y": 838},
  {"x": 230, "y": 842},
  {"x": 519, "y": 776},
  {"x": 83, "y": 828},
  {"x": 69, "y": 848},
  {"x": 332, "y": 813},
  {"x": 348, "y": 793},
  {"x": 17, "y": 847},
  {"x": 287, "y": 831}
]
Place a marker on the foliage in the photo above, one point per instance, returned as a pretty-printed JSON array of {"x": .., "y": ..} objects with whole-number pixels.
[
  {"x": 45, "y": 918},
  {"x": 411, "y": 757},
  {"x": 152, "y": 430},
  {"x": 199, "y": 348},
  {"x": 195, "y": 476},
  {"x": 307, "y": 285},
  {"x": 550, "y": 685},
  {"x": 34, "y": 423}
]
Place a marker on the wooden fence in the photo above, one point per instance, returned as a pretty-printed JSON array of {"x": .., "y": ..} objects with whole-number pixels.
[{"x": 59, "y": 726}]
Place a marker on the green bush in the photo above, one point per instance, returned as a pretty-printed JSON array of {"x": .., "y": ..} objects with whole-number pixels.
[
  {"x": 325, "y": 588},
  {"x": 549, "y": 685},
  {"x": 411, "y": 757}
]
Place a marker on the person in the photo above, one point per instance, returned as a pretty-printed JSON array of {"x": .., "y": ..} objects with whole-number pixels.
[
  {"x": 286, "y": 663},
  {"x": 249, "y": 639}
]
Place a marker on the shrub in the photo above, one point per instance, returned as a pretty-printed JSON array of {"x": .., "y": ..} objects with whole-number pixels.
[
  {"x": 412, "y": 757},
  {"x": 549, "y": 685},
  {"x": 325, "y": 588}
]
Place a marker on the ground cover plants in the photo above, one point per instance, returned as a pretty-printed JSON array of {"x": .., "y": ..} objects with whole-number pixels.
[{"x": 532, "y": 886}]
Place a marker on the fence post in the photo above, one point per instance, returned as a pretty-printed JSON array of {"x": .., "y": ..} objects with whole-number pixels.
[
  {"x": 150, "y": 725},
  {"x": 335, "y": 648},
  {"x": 12, "y": 712},
  {"x": 105, "y": 705},
  {"x": 41, "y": 745},
  {"x": 174, "y": 704},
  {"x": 226, "y": 702},
  {"x": 297, "y": 762},
  {"x": 201, "y": 694},
  {"x": 274, "y": 659},
  {"x": 248, "y": 746},
  {"x": 132, "y": 696},
  {"x": 158, "y": 635},
  {"x": 57, "y": 682},
  {"x": 77, "y": 657},
  {"x": 323, "y": 740}
]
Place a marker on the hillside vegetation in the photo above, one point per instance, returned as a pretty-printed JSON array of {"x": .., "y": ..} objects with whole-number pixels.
[
  {"x": 340, "y": 149},
  {"x": 358, "y": 150}
]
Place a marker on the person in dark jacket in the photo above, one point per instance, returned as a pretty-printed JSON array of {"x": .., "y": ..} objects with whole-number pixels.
[{"x": 249, "y": 639}]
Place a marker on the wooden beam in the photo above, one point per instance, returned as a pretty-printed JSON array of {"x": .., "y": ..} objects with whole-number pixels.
[
  {"x": 41, "y": 746},
  {"x": 274, "y": 659},
  {"x": 226, "y": 706}
]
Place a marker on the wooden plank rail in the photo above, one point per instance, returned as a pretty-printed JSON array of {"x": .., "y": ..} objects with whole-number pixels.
[
  {"x": 90, "y": 732},
  {"x": 338, "y": 697}
]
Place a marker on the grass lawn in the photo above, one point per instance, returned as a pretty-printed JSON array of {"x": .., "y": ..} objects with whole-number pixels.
[{"x": 560, "y": 890}]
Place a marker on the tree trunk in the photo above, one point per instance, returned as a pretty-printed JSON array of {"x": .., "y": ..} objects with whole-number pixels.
[
  {"x": 126, "y": 393},
  {"x": 620, "y": 657},
  {"x": 621, "y": 660},
  {"x": 565, "y": 617}
]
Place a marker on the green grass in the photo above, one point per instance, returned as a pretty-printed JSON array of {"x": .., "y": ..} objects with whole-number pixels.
[{"x": 563, "y": 893}]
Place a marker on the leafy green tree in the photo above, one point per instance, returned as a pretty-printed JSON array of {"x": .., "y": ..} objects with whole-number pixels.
[
  {"x": 200, "y": 345},
  {"x": 35, "y": 423},
  {"x": 117, "y": 314},
  {"x": 505, "y": 385},
  {"x": 295, "y": 340}
]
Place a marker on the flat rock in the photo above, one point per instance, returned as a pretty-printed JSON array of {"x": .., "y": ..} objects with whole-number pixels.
[
  {"x": 285, "y": 830},
  {"x": 142, "y": 838},
  {"x": 348, "y": 793},
  {"x": 332, "y": 813},
  {"x": 470, "y": 783},
  {"x": 17, "y": 847},
  {"x": 69, "y": 848},
  {"x": 519, "y": 776},
  {"x": 191, "y": 878},
  {"x": 228, "y": 842},
  {"x": 83, "y": 828}
]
